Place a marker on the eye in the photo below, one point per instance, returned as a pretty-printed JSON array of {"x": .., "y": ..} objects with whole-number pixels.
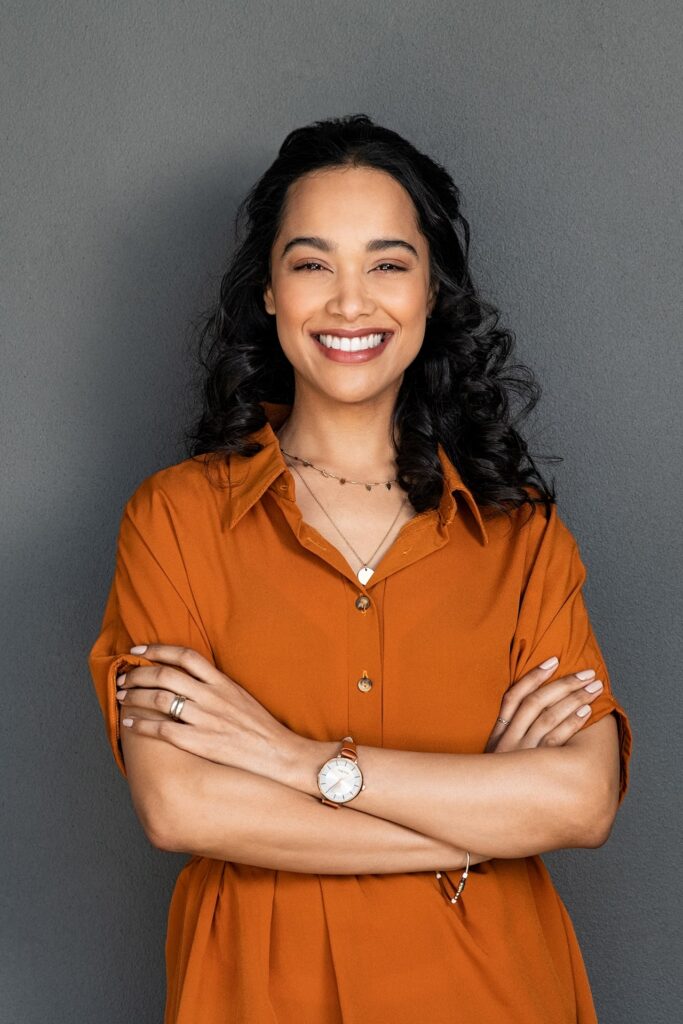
[{"x": 312, "y": 265}]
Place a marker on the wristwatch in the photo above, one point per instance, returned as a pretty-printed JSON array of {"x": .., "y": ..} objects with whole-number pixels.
[{"x": 340, "y": 779}]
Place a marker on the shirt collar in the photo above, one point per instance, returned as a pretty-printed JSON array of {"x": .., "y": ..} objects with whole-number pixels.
[{"x": 251, "y": 477}]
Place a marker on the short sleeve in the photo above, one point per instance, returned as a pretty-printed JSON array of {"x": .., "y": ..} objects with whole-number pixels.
[
  {"x": 553, "y": 620},
  {"x": 150, "y": 601}
]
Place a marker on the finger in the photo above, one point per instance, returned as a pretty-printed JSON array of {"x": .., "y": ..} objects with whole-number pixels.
[
  {"x": 194, "y": 740},
  {"x": 140, "y": 698},
  {"x": 185, "y": 658},
  {"x": 517, "y": 691},
  {"x": 529, "y": 682},
  {"x": 165, "y": 677},
  {"x": 563, "y": 718},
  {"x": 545, "y": 696},
  {"x": 571, "y": 725}
]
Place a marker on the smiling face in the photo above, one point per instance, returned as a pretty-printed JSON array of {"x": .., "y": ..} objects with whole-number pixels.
[{"x": 349, "y": 260}]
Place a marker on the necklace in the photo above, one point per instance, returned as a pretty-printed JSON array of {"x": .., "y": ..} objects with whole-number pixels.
[
  {"x": 365, "y": 572},
  {"x": 341, "y": 479}
]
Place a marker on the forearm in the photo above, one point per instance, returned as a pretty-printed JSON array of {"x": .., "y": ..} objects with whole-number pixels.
[
  {"x": 229, "y": 814},
  {"x": 512, "y": 804}
]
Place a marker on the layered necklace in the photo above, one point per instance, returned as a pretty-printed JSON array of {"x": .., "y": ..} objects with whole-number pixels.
[{"x": 365, "y": 572}]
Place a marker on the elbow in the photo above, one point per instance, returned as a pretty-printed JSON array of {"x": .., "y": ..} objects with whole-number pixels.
[
  {"x": 603, "y": 822},
  {"x": 596, "y": 833},
  {"x": 163, "y": 832},
  {"x": 594, "y": 820},
  {"x": 159, "y": 827},
  {"x": 161, "y": 839},
  {"x": 164, "y": 838}
]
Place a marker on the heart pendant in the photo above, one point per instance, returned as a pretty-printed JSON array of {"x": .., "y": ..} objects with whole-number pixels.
[{"x": 364, "y": 574}]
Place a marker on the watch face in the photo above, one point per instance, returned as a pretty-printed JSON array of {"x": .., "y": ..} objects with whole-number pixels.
[{"x": 340, "y": 779}]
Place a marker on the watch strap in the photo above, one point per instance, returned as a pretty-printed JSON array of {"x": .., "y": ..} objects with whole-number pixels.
[{"x": 348, "y": 749}]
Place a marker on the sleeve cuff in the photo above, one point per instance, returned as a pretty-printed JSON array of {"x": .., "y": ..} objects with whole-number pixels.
[
  {"x": 110, "y": 705},
  {"x": 609, "y": 705}
]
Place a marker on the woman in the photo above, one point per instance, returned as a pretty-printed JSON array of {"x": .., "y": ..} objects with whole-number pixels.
[{"x": 354, "y": 592}]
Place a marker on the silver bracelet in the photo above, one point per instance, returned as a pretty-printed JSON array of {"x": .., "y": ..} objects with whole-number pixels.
[{"x": 454, "y": 895}]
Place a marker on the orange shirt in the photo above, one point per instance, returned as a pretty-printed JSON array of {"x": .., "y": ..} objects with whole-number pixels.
[{"x": 459, "y": 607}]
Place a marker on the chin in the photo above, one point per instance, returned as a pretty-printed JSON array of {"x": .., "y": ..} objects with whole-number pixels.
[{"x": 360, "y": 395}]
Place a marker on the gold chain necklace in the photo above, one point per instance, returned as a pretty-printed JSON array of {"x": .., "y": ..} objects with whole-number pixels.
[
  {"x": 341, "y": 479},
  {"x": 365, "y": 572}
]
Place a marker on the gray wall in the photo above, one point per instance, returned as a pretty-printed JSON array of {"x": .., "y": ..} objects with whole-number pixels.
[{"x": 132, "y": 130}]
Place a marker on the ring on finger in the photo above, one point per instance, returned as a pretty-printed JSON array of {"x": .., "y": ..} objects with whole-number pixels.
[
  {"x": 177, "y": 707},
  {"x": 503, "y": 720}
]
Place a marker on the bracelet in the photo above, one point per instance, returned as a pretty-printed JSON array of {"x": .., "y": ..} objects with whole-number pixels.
[{"x": 454, "y": 896}]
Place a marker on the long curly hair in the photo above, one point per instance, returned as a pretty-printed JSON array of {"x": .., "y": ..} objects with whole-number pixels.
[{"x": 457, "y": 391}]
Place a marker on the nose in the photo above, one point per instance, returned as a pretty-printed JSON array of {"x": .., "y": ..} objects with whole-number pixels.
[{"x": 350, "y": 298}]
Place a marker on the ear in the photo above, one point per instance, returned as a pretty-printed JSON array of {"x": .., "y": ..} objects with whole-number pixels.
[
  {"x": 431, "y": 301},
  {"x": 268, "y": 300}
]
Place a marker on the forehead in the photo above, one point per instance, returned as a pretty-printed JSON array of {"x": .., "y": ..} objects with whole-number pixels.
[{"x": 344, "y": 197}]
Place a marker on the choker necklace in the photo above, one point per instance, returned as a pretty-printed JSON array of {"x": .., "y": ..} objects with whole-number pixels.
[
  {"x": 365, "y": 572},
  {"x": 341, "y": 479}
]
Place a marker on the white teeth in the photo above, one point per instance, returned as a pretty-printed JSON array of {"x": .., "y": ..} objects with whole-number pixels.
[{"x": 350, "y": 344}]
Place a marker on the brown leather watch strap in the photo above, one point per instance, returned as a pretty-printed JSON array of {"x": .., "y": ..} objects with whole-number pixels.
[{"x": 348, "y": 749}]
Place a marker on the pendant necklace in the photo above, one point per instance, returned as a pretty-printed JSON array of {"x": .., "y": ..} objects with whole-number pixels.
[{"x": 365, "y": 572}]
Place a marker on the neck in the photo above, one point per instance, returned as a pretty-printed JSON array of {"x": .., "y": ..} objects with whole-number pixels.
[{"x": 349, "y": 438}]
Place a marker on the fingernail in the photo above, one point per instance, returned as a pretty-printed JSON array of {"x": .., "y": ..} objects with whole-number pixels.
[
  {"x": 550, "y": 663},
  {"x": 127, "y": 721},
  {"x": 120, "y": 694},
  {"x": 587, "y": 673},
  {"x": 594, "y": 687},
  {"x": 120, "y": 680},
  {"x": 584, "y": 710},
  {"x": 140, "y": 649}
]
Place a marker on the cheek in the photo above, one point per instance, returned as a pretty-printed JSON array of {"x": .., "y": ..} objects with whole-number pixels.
[
  {"x": 296, "y": 304},
  {"x": 291, "y": 325},
  {"x": 406, "y": 299},
  {"x": 410, "y": 311}
]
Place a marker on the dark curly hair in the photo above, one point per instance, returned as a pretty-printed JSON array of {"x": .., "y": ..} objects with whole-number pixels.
[{"x": 457, "y": 390}]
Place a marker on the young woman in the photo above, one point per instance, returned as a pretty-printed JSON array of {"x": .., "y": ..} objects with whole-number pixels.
[{"x": 353, "y": 595}]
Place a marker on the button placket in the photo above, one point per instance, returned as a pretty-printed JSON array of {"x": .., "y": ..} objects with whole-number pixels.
[{"x": 364, "y": 667}]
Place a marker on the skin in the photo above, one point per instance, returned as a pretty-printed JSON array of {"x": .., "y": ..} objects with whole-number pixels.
[{"x": 232, "y": 782}]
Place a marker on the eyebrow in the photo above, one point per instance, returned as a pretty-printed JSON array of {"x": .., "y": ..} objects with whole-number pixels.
[{"x": 375, "y": 245}]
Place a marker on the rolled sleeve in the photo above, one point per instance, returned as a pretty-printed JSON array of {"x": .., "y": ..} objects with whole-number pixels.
[
  {"x": 149, "y": 601},
  {"x": 553, "y": 620}
]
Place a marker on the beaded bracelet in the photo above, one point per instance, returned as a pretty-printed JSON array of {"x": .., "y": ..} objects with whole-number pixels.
[{"x": 455, "y": 896}]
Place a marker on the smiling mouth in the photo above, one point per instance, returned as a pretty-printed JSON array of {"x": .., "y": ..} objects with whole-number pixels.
[{"x": 360, "y": 344}]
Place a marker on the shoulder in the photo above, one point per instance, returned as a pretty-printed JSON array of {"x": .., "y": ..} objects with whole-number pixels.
[
  {"x": 535, "y": 528},
  {"x": 550, "y": 544},
  {"x": 183, "y": 490}
]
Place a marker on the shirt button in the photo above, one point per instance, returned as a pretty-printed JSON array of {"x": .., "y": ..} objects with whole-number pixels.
[
  {"x": 364, "y": 683},
  {"x": 362, "y": 602}
]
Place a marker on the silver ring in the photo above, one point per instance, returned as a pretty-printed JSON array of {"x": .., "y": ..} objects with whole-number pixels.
[
  {"x": 177, "y": 707},
  {"x": 503, "y": 720}
]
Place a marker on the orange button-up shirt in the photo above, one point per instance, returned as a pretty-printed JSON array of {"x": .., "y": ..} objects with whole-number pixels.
[{"x": 458, "y": 608}]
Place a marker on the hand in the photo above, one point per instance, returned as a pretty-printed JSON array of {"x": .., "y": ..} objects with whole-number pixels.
[
  {"x": 220, "y": 720},
  {"x": 542, "y": 715}
]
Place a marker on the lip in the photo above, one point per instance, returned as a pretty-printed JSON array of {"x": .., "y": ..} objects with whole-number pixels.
[{"x": 337, "y": 356}]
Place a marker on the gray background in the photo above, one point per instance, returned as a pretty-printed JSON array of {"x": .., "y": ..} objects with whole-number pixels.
[{"x": 132, "y": 130}]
